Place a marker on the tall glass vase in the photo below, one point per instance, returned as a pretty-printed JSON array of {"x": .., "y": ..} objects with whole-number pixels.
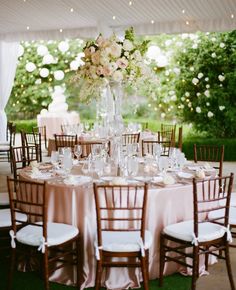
[{"x": 109, "y": 110}]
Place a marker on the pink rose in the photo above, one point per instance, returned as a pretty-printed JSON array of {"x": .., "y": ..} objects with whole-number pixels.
[{"x": 122, "y": 63}]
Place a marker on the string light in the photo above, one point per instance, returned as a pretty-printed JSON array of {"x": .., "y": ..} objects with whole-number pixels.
[
  {"x": 61, "y": 30},
  {"x": 27, "y": 28},
  {"x": 187, "y": 23},
  {"x": 232, "y": 16},
  {"x": 130, "y": 3},
  {"x": 114, "y": 17},
  {"x": 183, "y": 11},
  {"x": 71, "y": 10},
  {"x": 152, "y": 21}
]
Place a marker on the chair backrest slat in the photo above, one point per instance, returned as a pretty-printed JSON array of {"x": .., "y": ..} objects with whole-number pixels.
[
  {"x": 130, "y": 138},
  {"x": 28, "y": 198},
  {"x": 65, "y": 141},
  {"x": 210, "y": 153},
  {"x": 208, "y": 197},
  {"x": 120, "y": 208}
]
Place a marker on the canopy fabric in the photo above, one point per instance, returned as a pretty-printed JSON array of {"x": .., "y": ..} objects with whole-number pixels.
[{"x": 57, "y": 19}]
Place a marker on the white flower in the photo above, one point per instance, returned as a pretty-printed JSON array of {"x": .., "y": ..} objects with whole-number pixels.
[
  {"x": 63, "y": 46},
  {"x": 59, "y": 75},
  {"x": 195, "y": 81},
  {"x": 213, "y": 39},
  {"x": 222, "y": 45},
  {"x": 30, "y": 67},
  {"x": 176, "y": 70},
  {"x": 213, "y": 55},
  {"x": 189, "y": 104},
  {"x": 137, "y": 55},
  {"x": 44, "y": 72},
  {"x": 200, "y": 75},
  {"x": 210, "y": 114},
  {"x": 198, "y": 94},
  {"x": 182, "y": 98},
  {"x": 128, "y": 45},
  {"x": 117, "y": 76},
  {"x": 221, "y": 108},
  {"x": 198, "y": 110},
  {"x": 42, "y": 50},
  {"x": 208, "y": 86},
  {"x": 207, "y": 93},
  {"x": 191, "y": 68},
  {"x": 187, "y": 94},
  {"x": 221, "y": 78},
  {"x": 195, "y": 46},
  {"x": 207, "y": 104},
  {"x": 163, "y": 115},
  {"x": 115, "y": 49},
  {"x": 206, "y": 79}
]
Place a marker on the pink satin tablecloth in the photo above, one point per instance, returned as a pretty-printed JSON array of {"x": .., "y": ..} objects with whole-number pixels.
[{"x": 74, "y": 204}]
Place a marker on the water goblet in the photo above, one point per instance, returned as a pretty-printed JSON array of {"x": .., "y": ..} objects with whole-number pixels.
[
  {"x": 77, "y": 151},
  {"x": 54, "y": 158}
]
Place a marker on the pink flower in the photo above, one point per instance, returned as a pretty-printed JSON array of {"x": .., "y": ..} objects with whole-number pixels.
[
  {"x": 106, "y": 71},
  {"x": 95, "y": 57},
  {"x": 122, "y": 63}
]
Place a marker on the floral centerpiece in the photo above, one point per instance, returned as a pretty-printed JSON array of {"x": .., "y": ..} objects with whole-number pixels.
[{"x": 112, "y": 60}]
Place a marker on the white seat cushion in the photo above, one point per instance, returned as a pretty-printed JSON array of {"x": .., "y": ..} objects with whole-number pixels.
[
  {"x": 220, "y": 213},
  {"x": 4, "y": 198},
  {"x": 57, "y": 234},
  {"x": 124, "y": 241},
  {"x": 4, "y": 147},
  {"x": 6, "y": 143},
  {"x": 5, "y": 217},
  {"x": 184, "y": 231}
]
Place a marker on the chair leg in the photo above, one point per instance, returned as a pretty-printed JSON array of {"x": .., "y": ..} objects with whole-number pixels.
[
  {"x": 228, "y": 265},
  {"x": 162, "y": 260},
  {"x": 147, "y": 263},
  {"x": 144, "y": 272},
  {"x": 12, "y": 268},
  {"x": 45, "y": 270},
  {"x": 78, "y": 264},
  {"x": 98, "y": 275},
  {"x": 206, "y": 259},
  {"x": 195, "y": 273}
]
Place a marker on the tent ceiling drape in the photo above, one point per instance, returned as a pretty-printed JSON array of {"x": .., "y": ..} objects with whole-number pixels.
[{"x": 45, "y": 18}]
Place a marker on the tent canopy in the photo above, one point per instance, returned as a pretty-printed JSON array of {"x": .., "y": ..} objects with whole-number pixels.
[{"x": 52, "y": 19}]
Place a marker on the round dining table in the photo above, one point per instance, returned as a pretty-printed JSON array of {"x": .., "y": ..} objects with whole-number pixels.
[{"x": 71, "y": 201}]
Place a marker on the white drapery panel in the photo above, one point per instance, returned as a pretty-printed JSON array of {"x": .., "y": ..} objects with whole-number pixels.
[{"x": 8, "y": 63}]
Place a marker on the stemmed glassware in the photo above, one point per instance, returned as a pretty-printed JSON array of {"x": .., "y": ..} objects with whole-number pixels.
[
  {"x": 163, "y": 164},
  {"x": 77, "y": 151},
  {"x": 132, "y": 166},
  {"x": 55, "y": 158}
]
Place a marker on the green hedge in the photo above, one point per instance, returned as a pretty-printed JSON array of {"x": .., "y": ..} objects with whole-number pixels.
[
  {"x": 25, "y": 125},
  {"x": 230, "y": 146}
]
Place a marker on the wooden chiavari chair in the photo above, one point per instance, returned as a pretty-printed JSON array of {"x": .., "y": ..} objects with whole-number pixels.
[
  {"x": 65, "y": 141},
  {"x": 148, "y": 147},
  {"x": 55, "y": 241},
  {"x": 210, "y": 153},
  {"x": 130, "y": 138},
  {"x": 186, "y": 241},
  {"x": 121, "y": 215}
]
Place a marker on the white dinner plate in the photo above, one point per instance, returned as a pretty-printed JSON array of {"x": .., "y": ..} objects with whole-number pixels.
[{"x": 184, "y": 175}]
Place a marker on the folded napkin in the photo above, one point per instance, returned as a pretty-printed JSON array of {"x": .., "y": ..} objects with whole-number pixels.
[
  {"x": 200, "y": 174},
  {"x": 37, "y": 174},
  {"x": 168, "y": 179},
  {"x": 207, "y": 165},
  {"x": 34, "y": 164},
  {"x": 118, "y": 181},
  {"x": 77, "y": 179}
]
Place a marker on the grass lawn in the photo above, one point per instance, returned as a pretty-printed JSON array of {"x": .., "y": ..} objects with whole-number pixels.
[{"x": 32, "y": 281}]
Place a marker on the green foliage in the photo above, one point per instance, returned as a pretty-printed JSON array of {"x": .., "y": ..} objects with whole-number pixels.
[
  {"x": 32, "y": 92},
  {"x": 205, "y": 88},
  {"x": 25, "y": 125}
]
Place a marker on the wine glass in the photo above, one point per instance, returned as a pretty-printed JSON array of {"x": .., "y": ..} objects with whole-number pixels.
[
  {"x": 55, "y": 158},
  {"x": 163, "y": 164},
  {"x": 77, "y": 151},
  {"x": 67, "y": 163},
  {"x": 132, "y": 166}
]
